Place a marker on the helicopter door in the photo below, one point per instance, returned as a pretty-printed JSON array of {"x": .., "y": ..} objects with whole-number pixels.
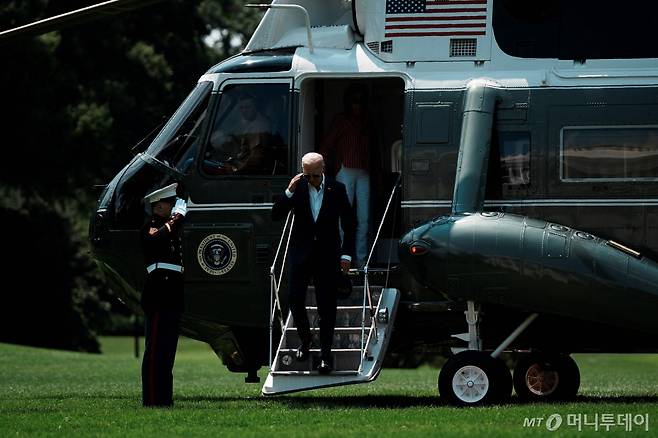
[{"x": 244, "y": 162}]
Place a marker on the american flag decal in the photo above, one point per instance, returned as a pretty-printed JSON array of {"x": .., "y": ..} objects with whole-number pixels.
[{"x": 419, "y": 18}]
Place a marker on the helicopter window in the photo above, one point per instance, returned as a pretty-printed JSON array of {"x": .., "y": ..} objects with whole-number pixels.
[
  {"x": 585, "y": 29},
  {"x": 514, "y": 158},
  {"x": 178, "y": 142},
  {"x": 250, "y": 131},
  {"x": 612, "y": 153}
]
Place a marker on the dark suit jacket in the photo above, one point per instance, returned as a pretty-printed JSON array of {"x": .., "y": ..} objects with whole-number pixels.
[{"x": 324, "y": 233}]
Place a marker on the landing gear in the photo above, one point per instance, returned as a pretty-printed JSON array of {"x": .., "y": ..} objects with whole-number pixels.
[
  {"x": 546, "y": 377},
  {"x": 252, "y": 376},
  {"x": 473, "y": 378}
]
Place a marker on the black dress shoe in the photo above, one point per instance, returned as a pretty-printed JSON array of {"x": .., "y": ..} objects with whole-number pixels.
[
  {"x": 302, "y": 353},
  {"x": 324, "y": 367}
]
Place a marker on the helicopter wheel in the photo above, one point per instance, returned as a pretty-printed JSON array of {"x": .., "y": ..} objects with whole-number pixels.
[
  {"x": 474, "y": 378},
  {"x": 546, "y": 377}
]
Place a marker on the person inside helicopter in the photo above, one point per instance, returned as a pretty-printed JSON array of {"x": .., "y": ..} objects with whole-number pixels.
[{"x": 244, "y": 146}]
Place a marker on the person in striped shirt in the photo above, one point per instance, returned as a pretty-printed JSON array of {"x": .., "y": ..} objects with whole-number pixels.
[{"x": 348, "y": 146}]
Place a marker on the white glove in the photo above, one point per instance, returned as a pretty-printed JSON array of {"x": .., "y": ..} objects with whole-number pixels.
[{"x": 180, "y": 207}]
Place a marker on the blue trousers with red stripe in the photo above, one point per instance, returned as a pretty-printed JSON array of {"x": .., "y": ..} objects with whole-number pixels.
[{"x": 162, "y": 327}]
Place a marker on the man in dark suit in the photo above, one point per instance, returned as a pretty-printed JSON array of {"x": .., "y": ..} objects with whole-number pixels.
[{"x": 316, "y": 249}]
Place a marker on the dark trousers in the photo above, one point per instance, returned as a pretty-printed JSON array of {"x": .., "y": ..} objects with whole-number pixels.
[
  {"x": 162, "y": 328},
  {"x": 324, "y": 272}
]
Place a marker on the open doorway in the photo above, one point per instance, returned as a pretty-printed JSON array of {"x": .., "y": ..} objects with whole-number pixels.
[{"x": 356, "y": 123}]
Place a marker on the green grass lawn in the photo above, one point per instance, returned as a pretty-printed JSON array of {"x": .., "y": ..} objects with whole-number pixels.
[{"x": 48, "y": 392}]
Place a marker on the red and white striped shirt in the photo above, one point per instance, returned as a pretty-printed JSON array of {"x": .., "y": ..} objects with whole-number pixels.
[{"x": 349, "y": 139}]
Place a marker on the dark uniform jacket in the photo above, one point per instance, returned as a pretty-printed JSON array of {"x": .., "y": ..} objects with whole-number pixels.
[
  {"x": 323, "y": 233},
  {"x": 164, "y": 288}
]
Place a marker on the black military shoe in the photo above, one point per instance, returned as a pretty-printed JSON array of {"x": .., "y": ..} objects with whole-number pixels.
[
  {"x": 302, "y": 353},
  {"x": 325, "y": 367}
]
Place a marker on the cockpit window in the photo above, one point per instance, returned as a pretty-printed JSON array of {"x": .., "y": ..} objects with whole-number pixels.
[
  {"x": 177, "y": 143},
  {"x": 250, "y": 131}
]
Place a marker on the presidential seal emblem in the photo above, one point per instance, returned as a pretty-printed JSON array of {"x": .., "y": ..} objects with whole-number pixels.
[{"x": 217, "y": 254}]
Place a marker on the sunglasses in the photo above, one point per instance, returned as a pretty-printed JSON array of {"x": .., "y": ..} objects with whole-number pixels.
[{"x": 313, "y": 175}]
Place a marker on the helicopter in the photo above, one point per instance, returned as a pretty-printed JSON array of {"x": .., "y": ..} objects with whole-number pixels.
[{"x": 514, "y": 190}]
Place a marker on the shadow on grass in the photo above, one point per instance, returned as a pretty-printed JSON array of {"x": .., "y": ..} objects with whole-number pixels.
[
  {"x": 331, "y": 402},
  {"x": 352, "y": 401},
  {"x": 590, "y": 399},
  {"x": 621, "y": 399},
  {"x": 402, "y": 402},
  {"x": 23, "y": 410},
  {"x": 399, "y": 401},
  {"x": 361, "y": 401},
  {"x": 84, "y": 397}
]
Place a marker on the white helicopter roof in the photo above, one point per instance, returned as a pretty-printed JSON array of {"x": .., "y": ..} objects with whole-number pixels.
[
  {"x": 330, "y": 20},
  {"x": 394, "y": 30},
  {"x": 413, "y": 37}
]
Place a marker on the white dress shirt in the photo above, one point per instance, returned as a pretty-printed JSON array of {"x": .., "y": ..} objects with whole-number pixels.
[{"x": 315, "y": 198}]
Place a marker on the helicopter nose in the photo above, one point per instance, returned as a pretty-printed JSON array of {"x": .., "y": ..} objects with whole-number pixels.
[
  {"x": 419, "y": 248},
  {"x": 413, "y": 245},
  {"x": 98, "y": 227},
  {"x": 404, "y": 243}
]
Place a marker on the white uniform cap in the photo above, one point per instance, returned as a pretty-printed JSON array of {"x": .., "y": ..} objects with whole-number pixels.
[{"x": 163, "y": 193}]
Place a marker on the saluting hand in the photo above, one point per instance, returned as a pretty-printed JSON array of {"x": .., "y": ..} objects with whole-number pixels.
[{"x": 294, "y": 181}]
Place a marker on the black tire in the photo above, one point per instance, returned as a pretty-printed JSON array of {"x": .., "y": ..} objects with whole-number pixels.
[
  {"x": 570, "y": 378},
  {"x": 546, "y": 377},
  {"x": 474, "y": 378},
  {"x": 504, "y": 377}
]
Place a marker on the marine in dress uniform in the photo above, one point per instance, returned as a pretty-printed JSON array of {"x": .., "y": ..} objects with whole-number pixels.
[{"x": 162, "y": 298}]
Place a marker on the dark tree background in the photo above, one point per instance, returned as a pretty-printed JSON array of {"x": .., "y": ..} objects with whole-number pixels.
[{"x": 74, "y": 103}]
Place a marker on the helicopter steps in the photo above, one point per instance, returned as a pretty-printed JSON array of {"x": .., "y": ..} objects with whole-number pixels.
[{"x": 349, "y": 365}]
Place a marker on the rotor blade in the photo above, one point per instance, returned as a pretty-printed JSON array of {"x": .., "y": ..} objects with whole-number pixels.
[{"x": 112, "y": 7}]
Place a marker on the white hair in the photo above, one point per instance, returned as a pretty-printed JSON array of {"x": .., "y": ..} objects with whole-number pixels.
[{"x": 312, "y": 158}]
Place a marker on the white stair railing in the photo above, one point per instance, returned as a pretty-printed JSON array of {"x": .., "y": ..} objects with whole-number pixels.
[
  {"x": 275, "y": 285},
  {"x": 367, "y": 295}
]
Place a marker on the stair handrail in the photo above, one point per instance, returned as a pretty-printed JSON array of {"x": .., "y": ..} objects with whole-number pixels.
[
  {"x": 367, "y": 294},
  {"x": 275, "y": 301}
]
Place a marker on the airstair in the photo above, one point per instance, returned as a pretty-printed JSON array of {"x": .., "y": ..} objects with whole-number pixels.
[
  {"x": 364, "y": 324},
  {"x": 360, "y": 342}
]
